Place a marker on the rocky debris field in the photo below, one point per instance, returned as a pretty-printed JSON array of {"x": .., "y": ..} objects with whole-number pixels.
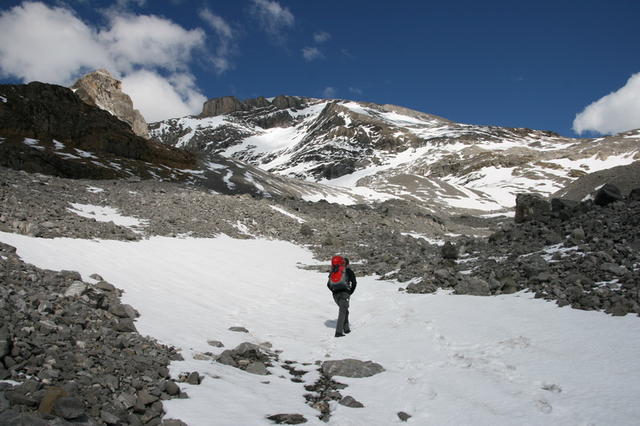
[
  {"x": 72, "y": 354},
  {"x": 382, "y": 238},
  {"x": 583, "y": 254}
]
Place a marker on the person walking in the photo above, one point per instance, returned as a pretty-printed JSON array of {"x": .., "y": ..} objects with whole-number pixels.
[{"x": 342, "y": 283}]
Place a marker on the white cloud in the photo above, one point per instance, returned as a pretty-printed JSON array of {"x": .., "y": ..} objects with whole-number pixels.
[
  {"x": 53, "y": 45},
  {"x": 329, "y": 92},
  {"x": 149, "y": 41},
  {"x": 49, "y": 44},
  {"x": 616, "y": 112},
  {"x": 159, "y": 97},
  {"x": 225, "y": 35},
  {"x": 311, "y": 53},
  {"x": 321, "y": 36},
  {"x": 272, "y": 17},
  {"x": 218, "y": 24},
  {"x": 355, "y": 90}
]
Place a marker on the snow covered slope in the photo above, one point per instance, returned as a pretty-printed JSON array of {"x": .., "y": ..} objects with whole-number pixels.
[
  {"x": 449, "y": 359},
  {"x": 382, "y": 151}
]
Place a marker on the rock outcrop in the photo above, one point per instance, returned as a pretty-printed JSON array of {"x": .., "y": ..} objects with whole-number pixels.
[
  {"x": 101, "y": 89},
  {"x": 47, "y": 129},
  {"x": 230, "y": 104}
]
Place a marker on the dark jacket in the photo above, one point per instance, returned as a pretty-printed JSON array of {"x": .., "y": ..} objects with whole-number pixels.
[{"x": 351, "y": 280}]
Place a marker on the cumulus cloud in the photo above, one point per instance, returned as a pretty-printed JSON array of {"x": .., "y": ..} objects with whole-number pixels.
[
  {"x": 311, "y": 53},
  {"x": 161, "y": 97},
  {"x": 272, "y": 17},
  {"x": 616, "y": 112},
  {"x": 329, "y": 92},
  {"x": 52, "y": 44},
  {"x": 225, "y": 35},
  {"x": 149, "y": 41},
  {"x": 321, "y": 36}
]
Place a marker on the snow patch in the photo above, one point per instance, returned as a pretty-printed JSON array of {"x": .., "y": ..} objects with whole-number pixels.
[
  {"x": 94, "y": 189},
  {"x": 107, "y": 214},
  {"x": 33, "y": 143},
  {"x": 286, "y": 213},
  {"x": 449, "y": 359}
]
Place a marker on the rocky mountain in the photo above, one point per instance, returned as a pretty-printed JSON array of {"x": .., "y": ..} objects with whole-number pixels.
[
  {"x": 101, "y": 89},
  {"x": 385, "y": 151},
  {"x": 48, "y": 129},
  {"x": 70, "y": 345}
]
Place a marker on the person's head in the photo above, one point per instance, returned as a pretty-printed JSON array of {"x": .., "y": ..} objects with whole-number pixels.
[{"x": 346, "y": 261}]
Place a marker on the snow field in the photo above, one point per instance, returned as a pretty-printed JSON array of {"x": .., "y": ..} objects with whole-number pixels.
[{"x": 449, "y": 359}]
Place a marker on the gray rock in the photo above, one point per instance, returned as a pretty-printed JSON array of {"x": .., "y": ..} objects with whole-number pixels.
[
  {"x": 258, "y": 368},
  {"x": 172, "y": 422},
  {"x": 69, "y": 408},
  {"x": 238, "y": 329},
  {"x": 530, "y": 207},
  {"x": 145, "y": 398},
  {"x": 5, "y": 342},
  {"x": 105, "y": 286},
  {"x": 215, "y": 343},
  {"x": 16, "y": 418},
  {"x": 349, "y": 401},
  {"x": 194, "y": 378},
  {"x": 287, "y": 419},
  {"x": 125, "y": 325},
  {"x": 109, "y": 418},
  {"x": 607, "y": 194},
  {"x": 449, "y": 251},
  {"x": 171, "y": 387},
  {"x": 578, "y": 234},
  {"x": 403, "y": 416},
  {"x": 351, "y": 368},
  {"x": 76, "y": 289},
  {"x": 473, "y": 286}
]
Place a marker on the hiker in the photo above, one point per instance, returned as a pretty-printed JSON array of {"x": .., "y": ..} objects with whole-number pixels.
[{"x": 342, "y": 283}]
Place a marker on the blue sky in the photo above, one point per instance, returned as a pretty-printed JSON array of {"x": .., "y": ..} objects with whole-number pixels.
[{"x": 518, "y": 64}]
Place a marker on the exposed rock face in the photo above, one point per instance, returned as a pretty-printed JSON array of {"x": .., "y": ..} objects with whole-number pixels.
[
  {"x": 47, "y": 129},
  {"x": 101, "y": 89},
  {"x": 231, "y": 104}
]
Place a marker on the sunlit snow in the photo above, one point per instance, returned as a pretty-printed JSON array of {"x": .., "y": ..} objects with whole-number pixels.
[{"x": 449, "y": 360}]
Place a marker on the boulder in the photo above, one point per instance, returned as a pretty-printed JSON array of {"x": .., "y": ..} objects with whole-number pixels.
[
  {"x": 351, "y": 368},
  {"x": 258, "y": 368},
  {"x": 634, "y": 195},
  {"x": 530, "y": 207},
  {"x": 403, "y": 416},
  {"x": 69, "y": 408},
  {"x": 607, "y": 194},
  {"x": 349, "y": 401},
  {"x": 473, "y": 286},
  {"x": 449, "y": 251},
  {"x": 287, "y": 419},
  {"x": 76, "y": 289}
]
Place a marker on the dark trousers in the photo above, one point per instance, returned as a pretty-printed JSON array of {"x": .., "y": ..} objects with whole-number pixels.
[{"x": 342, "y": 300}]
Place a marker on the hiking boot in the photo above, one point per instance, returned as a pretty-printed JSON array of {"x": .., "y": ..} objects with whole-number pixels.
[
  {"x": 347, "y": 330},
  {"x": 339, "y": 335}
]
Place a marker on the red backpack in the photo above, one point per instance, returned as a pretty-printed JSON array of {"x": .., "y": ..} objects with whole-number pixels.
[{"x": 338, "y": 278}]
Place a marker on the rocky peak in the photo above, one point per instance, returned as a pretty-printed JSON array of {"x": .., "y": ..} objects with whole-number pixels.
[
  {"x": 101, "y": 89},
  {"x": 231, "y": 104}
]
